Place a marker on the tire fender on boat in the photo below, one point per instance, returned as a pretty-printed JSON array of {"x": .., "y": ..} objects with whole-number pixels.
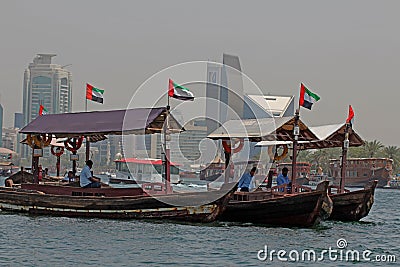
[
  {"x": 275, "y": 156},
  {"x": 228, "y": 148}
]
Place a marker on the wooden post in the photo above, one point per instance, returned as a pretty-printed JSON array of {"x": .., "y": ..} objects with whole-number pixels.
[
  {"x": 74, "y": 164},
  {"x": 58, "y": 165},
  {"x": 35, "y": 166},
  {"x": 74, "y": 145},
  {"x": 296, "y": 132},
  {"x": 167, "y": 154},
  {"x": 343, "y": 166},
  {"x": 227, "y": 166},
  {"x": 87, "y": 148}
]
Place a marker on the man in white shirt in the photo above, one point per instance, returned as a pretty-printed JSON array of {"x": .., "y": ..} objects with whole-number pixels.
[{"x": 86, "y": 178}]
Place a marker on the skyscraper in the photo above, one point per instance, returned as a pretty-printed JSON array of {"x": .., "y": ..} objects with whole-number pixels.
[
  {"x": 224, "y": 89},
  {"x": 18, "y": 120},
  {"x": 46, "y": 84}
]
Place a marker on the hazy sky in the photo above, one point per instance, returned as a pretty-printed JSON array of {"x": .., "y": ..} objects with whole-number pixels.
[{"x": 345, "y": 51}]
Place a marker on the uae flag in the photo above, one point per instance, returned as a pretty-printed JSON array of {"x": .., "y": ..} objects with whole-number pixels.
[
  {"x": 350, "y": 118},
  {"x": 179, "y": 92},
  {"x": 307, "y": 98},
  {"x": 94, "y": 94},
  {"x": 42, "y": 110}
]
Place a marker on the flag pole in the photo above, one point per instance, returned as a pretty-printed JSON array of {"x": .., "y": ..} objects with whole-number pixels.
[
  {"x": 167, "y": 164},
  {"x": 86, "y": 137},
  {"x": 296, "y": 132},
  {"x": 345, "y": 147}
]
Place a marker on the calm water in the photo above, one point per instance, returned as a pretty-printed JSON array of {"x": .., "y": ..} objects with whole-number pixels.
[{"x": 58, "y": 241}]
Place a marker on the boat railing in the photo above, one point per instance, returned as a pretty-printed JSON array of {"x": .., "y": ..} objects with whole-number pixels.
[
  {"x": 285, "y": 189},
  {"x": 334, "y": 189}
]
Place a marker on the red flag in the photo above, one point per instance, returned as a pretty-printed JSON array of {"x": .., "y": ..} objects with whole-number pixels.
[{"x": 351, "y": 115}]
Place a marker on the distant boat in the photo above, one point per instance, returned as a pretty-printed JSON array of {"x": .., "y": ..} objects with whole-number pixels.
[
  {"x": 137, "y": 170},
  {"x": 393, "y": 184},
  {"x": 315, "y": 179},
  {"x": 360, "y": 171}
]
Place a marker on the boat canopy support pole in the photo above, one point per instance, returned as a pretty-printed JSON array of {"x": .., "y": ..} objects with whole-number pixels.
[
  {"x": 35, "y": 167},
  {"x": 296, "y": 133},
  {"x": 87, "y": 148},
  {"x": 58, "y": 165},
  {"x": 343, "y": 163},
  {"x": 166, "y": 158}
]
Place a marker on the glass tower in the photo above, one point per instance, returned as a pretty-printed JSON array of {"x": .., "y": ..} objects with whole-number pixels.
[{"x": 46, "y": 84}]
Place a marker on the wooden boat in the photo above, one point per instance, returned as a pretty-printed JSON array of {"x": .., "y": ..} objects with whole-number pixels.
[
  {"x": 360, "y": 171},
  {"x": 354, "y": 205},
  {"x": 139, "y": 170},
  {"x": 274, "y": 208},
  {"x": 341, "y": 135},
  {"x": 393, "y": 184},
  {"x": 151, "y": 201},
  {"x": 23, "y": 176},
  {"x": 125, "y": 203}
]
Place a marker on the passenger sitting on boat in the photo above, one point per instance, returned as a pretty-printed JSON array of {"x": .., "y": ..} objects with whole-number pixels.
[
  {"x": 245, "y": 181},
  {"x": 283, "y": 178},
  {"x": 69, "y": 177},
  {"x": 45, "y": 172},
  {"x": 86, "y": 178}
]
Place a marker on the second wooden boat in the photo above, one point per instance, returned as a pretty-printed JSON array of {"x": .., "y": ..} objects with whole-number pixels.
[
  {"x": 299, "y": 210},
  {"x": 353, "y": 205}
]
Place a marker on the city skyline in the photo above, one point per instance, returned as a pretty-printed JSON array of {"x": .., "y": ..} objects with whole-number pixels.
[{"x": 345, "y": 55}]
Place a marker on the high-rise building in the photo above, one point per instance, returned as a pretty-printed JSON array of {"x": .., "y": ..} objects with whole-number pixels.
[
  {"x": 46, "y": 84},
  {"x": 224, "y": 92},
  {"x": 10, "y": 139},
  {"x": 18, "y": 120},
  {"x": 186, "y": 147}
]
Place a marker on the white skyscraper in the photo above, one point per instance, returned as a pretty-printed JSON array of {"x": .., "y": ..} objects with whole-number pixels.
[{"x": 46, "y": 84}]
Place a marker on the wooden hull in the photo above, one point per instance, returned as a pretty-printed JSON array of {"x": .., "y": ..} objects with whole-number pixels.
[
  {"x": 299, "y": 210},
  {"x": 126, "y": 207},
  {"x": 353, "y": 206}
]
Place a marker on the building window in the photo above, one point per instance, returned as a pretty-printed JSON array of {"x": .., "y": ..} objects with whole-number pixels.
[
  {"x": 64, "y": 81},
  {"x": 41, "y": 80}
]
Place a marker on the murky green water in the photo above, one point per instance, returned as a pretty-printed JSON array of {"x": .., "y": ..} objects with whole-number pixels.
[{"x": 58, "y": 241}]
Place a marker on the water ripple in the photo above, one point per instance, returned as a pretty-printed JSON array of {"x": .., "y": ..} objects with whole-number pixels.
[{"x": 59, "y": 241}]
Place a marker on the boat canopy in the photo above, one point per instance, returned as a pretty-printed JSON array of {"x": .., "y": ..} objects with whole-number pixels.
[
  {"x": 265, "y": 129},
  {"x": 333, "y": 136},
  {"x": 97, "y": 124},
  {"x": 329, "y": 136}
]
